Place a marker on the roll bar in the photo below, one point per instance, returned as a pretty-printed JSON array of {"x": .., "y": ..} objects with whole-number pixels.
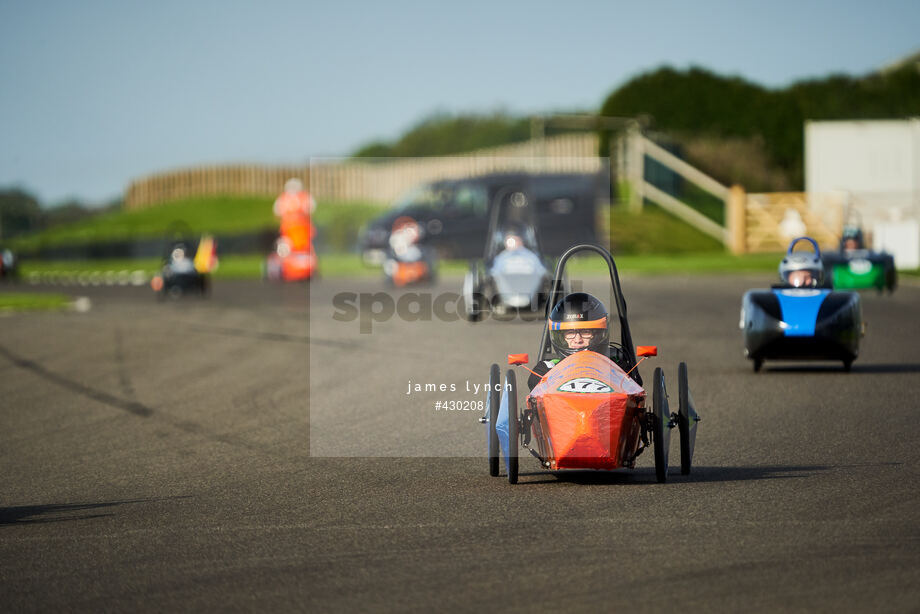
[
  {"x": 495, "y": 211},
  {"x": 558, "y": 293}
]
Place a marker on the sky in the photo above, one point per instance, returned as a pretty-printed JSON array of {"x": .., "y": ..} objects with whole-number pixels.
[{"x": 94, "y": 94}]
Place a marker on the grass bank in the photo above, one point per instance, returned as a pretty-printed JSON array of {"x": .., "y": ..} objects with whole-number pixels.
[
  {"x": 338, "y": 222},
  {"x": 29, "y": 301}
]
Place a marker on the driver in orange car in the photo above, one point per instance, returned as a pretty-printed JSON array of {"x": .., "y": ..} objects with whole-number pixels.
[{"x": 577, "y": 322}]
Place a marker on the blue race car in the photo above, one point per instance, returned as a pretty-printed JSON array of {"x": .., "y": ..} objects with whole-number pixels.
[{"x": 802, "y": 318}]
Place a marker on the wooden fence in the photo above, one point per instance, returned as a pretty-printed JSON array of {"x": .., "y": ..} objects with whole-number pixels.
[
  {"x": 768, "y": 222},
  {"x": 377, "y": 180},
  {"x": 753, "y": 222},
  {"x": 633, "y": 149}
]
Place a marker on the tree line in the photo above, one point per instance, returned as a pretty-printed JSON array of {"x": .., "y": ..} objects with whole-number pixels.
[
  {"x": 700, "y": 103},
  {"x": 21, "y": 213},
  {"x": 716, "y": 117}
]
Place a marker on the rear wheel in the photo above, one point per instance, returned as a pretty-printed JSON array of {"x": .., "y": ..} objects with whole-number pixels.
[
  {"x": 513, "y": 428},
  {"x": 758, "y": 363},
  {"x": 847, "y": 365},
  {"x": 494, "y": 384},
  {"x": 661, "y": 431}
]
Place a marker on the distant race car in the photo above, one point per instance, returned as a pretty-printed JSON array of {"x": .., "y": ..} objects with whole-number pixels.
[
  {"x": 588, "y": 411},
  {"x": 513, "y": 273},
  {"x": 854, "y": 267},
  {"x": 288, "y": 264},
  {"x": 408, "y": 259},
  {"x": 454, "y": 213},
  {"x": 801, "y": 319},
  {"x": 9, "y": 265},
  {"x": 181, "y": 274}
]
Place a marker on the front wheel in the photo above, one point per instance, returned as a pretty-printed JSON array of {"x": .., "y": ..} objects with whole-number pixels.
[{"x": 661, "y": 429}]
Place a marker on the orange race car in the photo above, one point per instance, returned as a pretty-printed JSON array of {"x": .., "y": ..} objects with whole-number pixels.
[
  {"x": 409, "y": 261},
  {"x": 286, "y": 263},
  {"x": 587, "y": 410}
]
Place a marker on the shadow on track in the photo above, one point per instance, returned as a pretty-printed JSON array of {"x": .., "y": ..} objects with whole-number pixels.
[
  {"x": 57, "y": 512},
  {"x": 857, "y": 368},
  {"x": 646, "y": 475}
]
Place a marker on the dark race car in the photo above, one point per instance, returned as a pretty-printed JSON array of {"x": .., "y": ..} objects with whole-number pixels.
[
  {"x": 801, "y": 319},
  {"x": 181, "y": 274}
]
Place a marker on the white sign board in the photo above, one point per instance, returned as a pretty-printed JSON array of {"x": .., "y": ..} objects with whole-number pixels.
[
  {"x": 901, "y": 240},
  {"x": 862, "y": 156},
  {"x": 875, "y": 162}
]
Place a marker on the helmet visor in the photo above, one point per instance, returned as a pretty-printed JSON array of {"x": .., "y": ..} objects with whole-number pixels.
[
  {"x": 579, "y": 335},
  {"x": 802, "y": 278}
]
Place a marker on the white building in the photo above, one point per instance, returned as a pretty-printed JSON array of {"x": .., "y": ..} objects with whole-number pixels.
[{"x": 875, "y": 166}]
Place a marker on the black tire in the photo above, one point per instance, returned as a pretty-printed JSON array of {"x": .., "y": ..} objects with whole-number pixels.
[
  {"x": 661, "y": 432},
  {"x": 473, "y": 311},
  {"x": 684, "y": 417},
  {"x": 891, "y": 280},
  {"x": 758, "y": 363},
  {"x": 494, "y": 383},
  {"x": 514, "y": 430},
  {"x": 847, "y": 365}
]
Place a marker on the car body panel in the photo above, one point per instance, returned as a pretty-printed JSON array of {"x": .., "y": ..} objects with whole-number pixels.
[{"x": 588, "y": 413}]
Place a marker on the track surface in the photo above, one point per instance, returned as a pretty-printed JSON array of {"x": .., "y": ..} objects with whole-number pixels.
[{"x": 158, "y": 457}]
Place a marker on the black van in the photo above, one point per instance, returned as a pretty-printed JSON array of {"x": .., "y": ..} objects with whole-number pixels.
[{"x": 454, "y": 213}]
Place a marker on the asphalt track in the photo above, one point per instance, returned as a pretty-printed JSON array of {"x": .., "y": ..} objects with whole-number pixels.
[{"x": 158, "y": 457}]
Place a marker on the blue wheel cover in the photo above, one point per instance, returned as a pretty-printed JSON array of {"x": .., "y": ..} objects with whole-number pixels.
[{"x": 501, "y": 424}]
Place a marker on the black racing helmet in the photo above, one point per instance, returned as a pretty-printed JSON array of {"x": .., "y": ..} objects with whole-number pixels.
[
  {"x": 578, "y": 320},
  {"x": 852, "y": 233}
]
